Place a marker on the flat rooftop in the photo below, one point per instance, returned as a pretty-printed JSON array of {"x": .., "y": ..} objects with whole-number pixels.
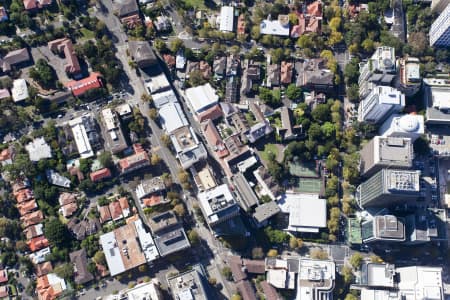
[
  {"x": 184, "y": 138},
  {"x": 190, "y": 285},
  {"x": 389, "y": 227},
  {"x": 172, "y": 241},
  {"x": 161, "y": 221},
  {"x": 402, "y": 180},
  {"x": 381, "y": 275},
  {"x": 437, "y": 100}
]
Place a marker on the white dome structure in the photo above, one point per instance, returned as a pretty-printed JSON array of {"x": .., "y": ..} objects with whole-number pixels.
[{"x": 411, "y": 126}]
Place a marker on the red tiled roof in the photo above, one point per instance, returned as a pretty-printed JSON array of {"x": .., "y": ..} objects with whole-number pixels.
[
  {"x": 315, "y": 9},
  {"x": 212, "y": 113},
  {"x": 66, "y": 198},
  {"x": 169, "y": 59},
  {"x": 4, "y": 93},
  {"x": 37, "y": 243},
  {"x": 32, "y": 218},
  {"x": 3, "y": 276},
  {"x": 123, "y": 203},
  {"x": 133, "y": 161},
  {"x": 105, "y": 215},
  {"x": 44, "y": 268},
  {"x": 241, "y": 25},
  {"x": 30, "y": 4},
  {"x": 214, "y": 139},
  {"x": 100, "y": 174},
  {"x": 269, "y": 291},
  {"x": 152, "y": 201},
  {"x": 116, "y": 210},
  {"x": 286, "y": 72},
  {"x": 69, "y": 209},
  {"x": 65, "y": 45},
  {"x": 79, "y": 87},
  {"x": 4, "y": 291},
  {"x": 131, "y": 21},
  {"x": 27, "y": 207},
  {"x": 24, "y": 195}
]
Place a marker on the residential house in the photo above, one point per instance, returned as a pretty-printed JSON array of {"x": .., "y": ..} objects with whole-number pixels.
[
  {"x": 286, "y": 131},
  {"x": 37, "y": 243},
  {"x": 79, "y": 87},
  {"x": 169, "y": 60},
  {"x": 100, "y": 175},
  {"x": 355, "y": 9},
  {"x": 3, "y": 14},
  {"x": 43, "y": 268},
  {"x": 231, "y": 89},
  {"x": 128, "y": 13},
  {"x": 81, "y": 229},
  {"x": 23, "y": 195},
  {"x": 50, "y": 286},
  {"x": 134, "y": 162},
  {"x": 55, "y": 178},
  {"x": 4, "y": 292},
  {"x": 142, "y": 53},
  {"x": 38, "y": 149},
  {"x": 15, "y": 58},
  {"x": 125, "y": 206},
  {"x": 19, "y": 90},
  {"x": 241, "y": 25},
  {"x": 213, "y": 138},
  {"x": 233, "y": 64},
  {"x": 278, "y": 27},
  {"x": 219, "y": 67},
  {"x": 286, "y": 72},
  {"x": 36, "y": 4},
  {"x": 203, "y": 67},
  {"x": 162, "y": 23},
  {"x": 251, "y": 74},
  {"x": 33, "y": 231},
  {"x": 3, "y": 276},
  {"x": 33, "y": 218},
  {"x": 65, "y": 46},
  {"x": 27, "y": 207},
  {"x": 4, "y": 94},
  {"x": 273, "y": 75},
  {"x": 39, "y": 256},
  {"x": 105, "y": 214},
  {"x": 313, "y": 75},
  {"x": 268, "y": 185},
  {"x": 80, "y": 263},
  {"x": 310, "y": 21},
  {"x": 115, "y": 210}
]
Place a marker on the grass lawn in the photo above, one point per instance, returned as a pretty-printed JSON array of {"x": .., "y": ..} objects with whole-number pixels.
[
  {"x": 199, "y": 4},
  {"x": 87, "y": 34},
  {"x": 269, "y": 148}
]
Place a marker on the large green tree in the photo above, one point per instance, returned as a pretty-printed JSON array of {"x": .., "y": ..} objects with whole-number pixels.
[{"x": 56, "y": 232}]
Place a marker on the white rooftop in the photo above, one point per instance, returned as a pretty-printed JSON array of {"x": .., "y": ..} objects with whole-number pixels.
[
  {"x": 221, "y": 191},
  {"x": 19, "y": 90},
  {"x": 55, "y": 280},
  {"x": 226, "y": 18},
  {"x": 39, "y": 256},
  {"x": 81, "y": 137},
  {"x": 38, "y": 149},
  {"x": 123, "y": 109},
  {"x": 157, "y": 83},
  {"x": 162, "y": 98},
  {"x": 389, "y": 95},
  {"x": 281, "y": 278},
  {"x": 109, "y": 119},
  {"x": 274, "y": 27},
  {"x": 146, "y": 290},
  {"x": 172, "y": 117},
  {"x": 201, "y": 97},
  {"x": 147, "y": 244},
  {"x": 307, "y": 212},
  {"x": 112, "y": 253}
]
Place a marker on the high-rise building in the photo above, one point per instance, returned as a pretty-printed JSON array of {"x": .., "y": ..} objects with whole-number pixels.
[
  {"x": 387, "y": 228},
  {"x": 407, "y": 126},
  {"x": 380, "y": 103},
  {"x": 389, "y": 187},
  {"x": 440, "y": 29},
  {"x": 437, "y": 100},
  {"x": 385, "y": 281},
  {"x": 378, "y": 70},
  {"x": 386, "y": 152},
  {"x": 408, "y": 79}
]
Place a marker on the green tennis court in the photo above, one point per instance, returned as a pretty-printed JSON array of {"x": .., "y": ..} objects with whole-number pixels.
[{"x": 309, "y": 185}]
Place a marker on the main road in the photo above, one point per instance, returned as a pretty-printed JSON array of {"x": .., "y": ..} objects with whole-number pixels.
[{"x": 135, "y": 87}]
